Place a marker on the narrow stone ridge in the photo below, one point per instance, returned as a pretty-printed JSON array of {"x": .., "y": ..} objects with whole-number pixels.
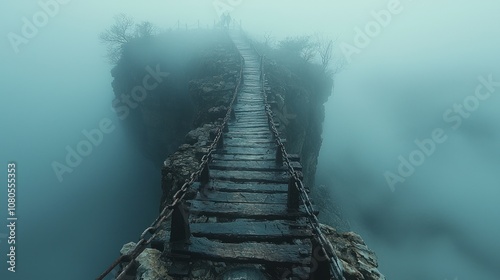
[{"x": 241, "y": 215}]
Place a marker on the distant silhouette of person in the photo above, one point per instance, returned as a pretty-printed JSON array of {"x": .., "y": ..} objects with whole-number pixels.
[{"x": 225, "y": 20}]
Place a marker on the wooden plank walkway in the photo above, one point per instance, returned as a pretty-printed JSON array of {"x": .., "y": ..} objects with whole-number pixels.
[{"x": 245, "y": 201}]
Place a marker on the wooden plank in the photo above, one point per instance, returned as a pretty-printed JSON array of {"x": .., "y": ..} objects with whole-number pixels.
[
  {"x": 244, "y": 187},
  {"x": 251, "y": 101},
  {"x": 241, "y": 231},
  {"x": 247, "y": 144},
  {"x": 250, "y": 252},
  {"x": 264, "y": 134},
  {"x": 248, "y": 106},
  {"x": 206, "y": 194},
  {"x": 244, "y": 210},
  {"x": 246, "y": 165},
  {"x": 238, "y": 138},
  {"x": 250, "y": 176},
  {"x": 245, "y": 125},
  {"x": 250, "y": 118},
  {"x": 246, "y": 151},
  {"x": 247, "y": 110},
  {"x": 231, "y": 157},
  {"x": 249, "y": 129}
]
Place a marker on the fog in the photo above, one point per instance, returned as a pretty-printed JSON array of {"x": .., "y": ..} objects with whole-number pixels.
[{"x": 440, "y": 223}]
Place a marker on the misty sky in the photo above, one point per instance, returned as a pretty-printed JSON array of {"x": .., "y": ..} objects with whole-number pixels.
[{"x": 440, "y": 223}]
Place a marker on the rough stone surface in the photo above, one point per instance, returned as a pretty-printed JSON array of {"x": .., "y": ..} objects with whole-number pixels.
[
  {"x": 151, "y": 267},
  {"x": 360, "y": 263}
]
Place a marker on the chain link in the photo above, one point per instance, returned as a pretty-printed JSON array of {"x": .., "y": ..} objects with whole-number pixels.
[
  {"x": 336, "y": 266},
  {"x": 178, "y": 196}
]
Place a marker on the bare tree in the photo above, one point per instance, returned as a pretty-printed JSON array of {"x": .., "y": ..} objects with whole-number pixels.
[
  {"x": 120, "y": 33},
  {"x": 325, "y": 52}
]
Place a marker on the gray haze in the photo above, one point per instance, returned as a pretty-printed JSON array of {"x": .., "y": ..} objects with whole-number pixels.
[{"x": 441, "y": 223}]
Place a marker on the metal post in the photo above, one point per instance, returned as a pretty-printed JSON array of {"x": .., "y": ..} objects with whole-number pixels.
[
  {"x": 180, "y": 231},
  {"x": 279, "y": 156},
  {"x": 205, "y": 175},
  {"x": 293, "y": 195},
  {"x": 220, "y": 143},
  {"x": 233, "y": 114}
]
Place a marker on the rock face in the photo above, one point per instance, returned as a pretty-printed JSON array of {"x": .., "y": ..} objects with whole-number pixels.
[
  {"x": 151, "y": 267},
  {"x": 152, "y": 86},
  {"x": 205, "y": 90},
  {"x": 359, "y": 262},
  {"x": 299, "y": 93}
]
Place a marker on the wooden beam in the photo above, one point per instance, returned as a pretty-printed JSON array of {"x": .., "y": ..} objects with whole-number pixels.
[
  {"x": 244, "y": 231},
  {"x": 249, "y": 252}
]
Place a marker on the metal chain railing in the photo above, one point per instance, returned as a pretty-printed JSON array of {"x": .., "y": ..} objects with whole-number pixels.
[
  {"x": 336, "y": 266},
  {"x": 178, "y": 196}
]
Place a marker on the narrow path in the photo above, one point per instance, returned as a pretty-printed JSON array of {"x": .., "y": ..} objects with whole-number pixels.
[{"x": 245, "y": 201}]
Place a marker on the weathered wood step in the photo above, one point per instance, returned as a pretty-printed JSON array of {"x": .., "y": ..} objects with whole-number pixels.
[
  {"x": 249, "y": 252},
  {"x": 250, "y": 176},
  {"x": 248, "y": 144},
  {"x": 241, "y": 231},
  {"x": 251, "y": 118},
  {"x": 245, "y": 151},
  {"x": 229, "y": 157},
  {"x": 250, "y": 157},
  {"x": 248, "y": 106},
  {"x": 242, "y": 125},
  {"x": 250, "y": 99},
  {"x": 238, "y": 139},
  {"x": 244, "y": 187},
  {"x": 246, "y": 165},
  {"x": 244, "y": 210},
  {"x": 262, "y": 165},
  {"x": 257, "y": 110},
  {"x": 207, "y": 194},
  {"x": 248, "y": 136},
  {"x": 249, "y": 129}
]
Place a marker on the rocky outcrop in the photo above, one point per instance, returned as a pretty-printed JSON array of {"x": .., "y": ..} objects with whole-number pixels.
[
  {"x": 358, "y": 260},
  {"x": 152, "y": 86},
  {"x": 150, "y": 264}
]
